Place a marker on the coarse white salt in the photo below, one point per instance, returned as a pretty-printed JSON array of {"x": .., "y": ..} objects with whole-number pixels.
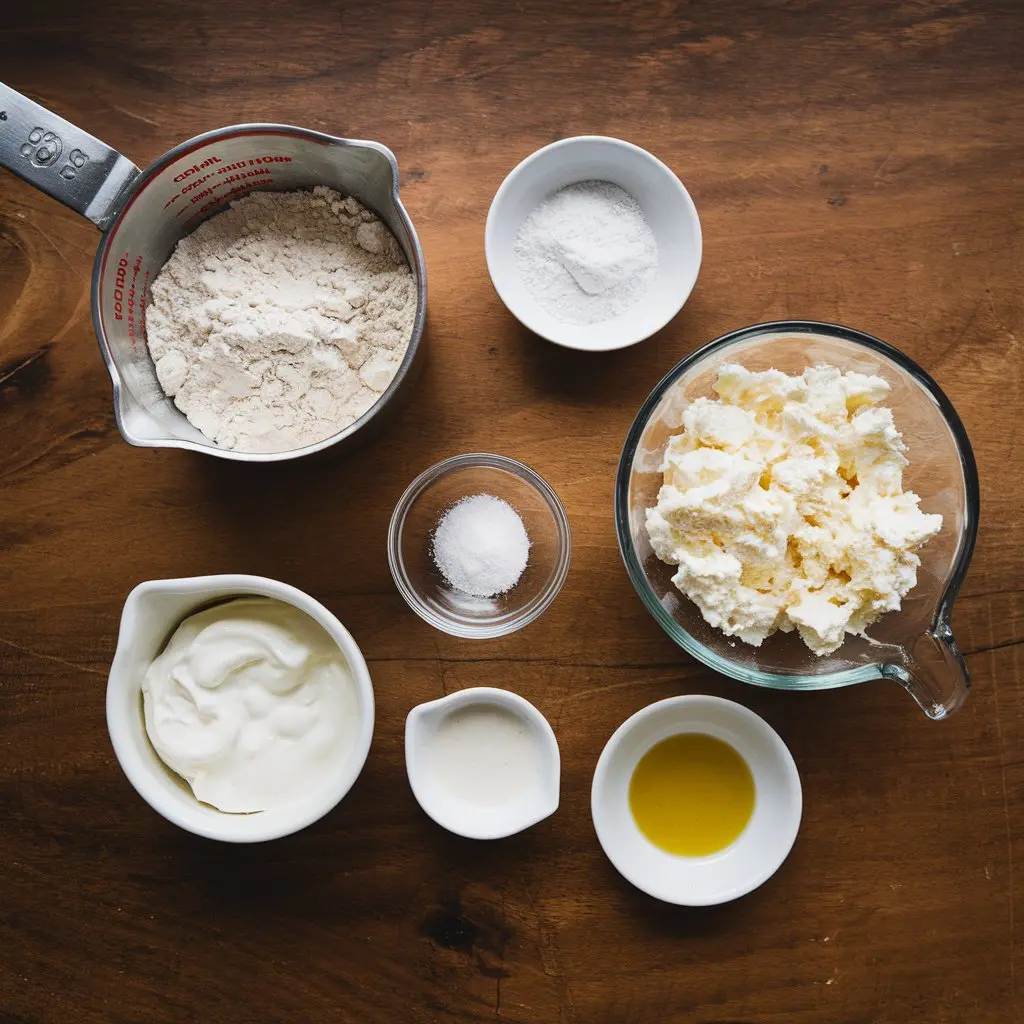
[{"x": 481, "y": 546}]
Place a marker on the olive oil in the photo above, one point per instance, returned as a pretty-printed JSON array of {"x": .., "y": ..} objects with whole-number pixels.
[{"x": 691, "y": 794}]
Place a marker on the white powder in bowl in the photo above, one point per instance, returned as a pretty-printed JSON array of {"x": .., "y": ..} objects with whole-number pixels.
[
  {"x": 481, "y": 546},
  {"x": 587, "y": 253}
]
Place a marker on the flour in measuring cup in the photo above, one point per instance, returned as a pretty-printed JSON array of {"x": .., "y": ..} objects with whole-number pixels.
[{"x": 282, "y": 320}]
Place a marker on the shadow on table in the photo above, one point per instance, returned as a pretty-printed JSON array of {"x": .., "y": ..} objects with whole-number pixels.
[{"x": 607, "y": 378}]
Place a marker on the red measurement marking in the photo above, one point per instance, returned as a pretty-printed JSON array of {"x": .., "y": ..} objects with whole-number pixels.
[
  {"x": 263, "y": 176},
  {"x": 196, "y": 183},
  {"x": 142, "y": 309},
  {"x": 192, "y": 183},
  {"x": 197, "y": 168},
  {"x": 148, "y": 176},
  {"x": 120, "y": 276},
  {"x": 135, "y": 304}
]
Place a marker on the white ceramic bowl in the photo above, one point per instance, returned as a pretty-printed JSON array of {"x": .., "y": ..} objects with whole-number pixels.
[
  {"x": 743, "y": 865},
  {"x": 667, "y": 207},
  {"x": 474, "y": 820},
  {"x": 152, "y": 611}
]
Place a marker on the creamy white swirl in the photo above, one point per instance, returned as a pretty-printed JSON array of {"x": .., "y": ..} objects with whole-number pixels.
[{"x": 252, "y": 703}]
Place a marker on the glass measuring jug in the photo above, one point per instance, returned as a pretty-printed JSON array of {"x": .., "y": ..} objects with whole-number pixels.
[
  {"x": 915, "y": 645},
  {"x": 143, "y": 214}
]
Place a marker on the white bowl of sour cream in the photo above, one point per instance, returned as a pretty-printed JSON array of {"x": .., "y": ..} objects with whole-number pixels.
[{"x": 239, "y": 707}]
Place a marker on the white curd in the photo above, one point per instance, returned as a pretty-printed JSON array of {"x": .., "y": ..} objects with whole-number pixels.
[{"x": 783, "y": 506}]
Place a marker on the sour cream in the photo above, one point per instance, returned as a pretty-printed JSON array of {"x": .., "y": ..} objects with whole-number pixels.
[{"x": 251, "y": 703}]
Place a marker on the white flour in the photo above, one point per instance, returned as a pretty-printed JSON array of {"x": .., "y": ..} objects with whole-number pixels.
[
  {"x": 282, "y": 320},
  {"x": 587, "y": 254}
]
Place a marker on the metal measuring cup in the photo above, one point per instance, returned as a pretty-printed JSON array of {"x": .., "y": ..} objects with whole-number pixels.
[{"x": 143, "y": 214}]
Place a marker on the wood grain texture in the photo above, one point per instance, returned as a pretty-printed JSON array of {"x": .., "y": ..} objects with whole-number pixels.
[{"x": 857, "y": 162}]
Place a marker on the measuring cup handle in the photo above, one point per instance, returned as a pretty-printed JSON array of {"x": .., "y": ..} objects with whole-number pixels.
[
  {"x": 934, "y": 671},
  {"x": 62, "y": 160}
]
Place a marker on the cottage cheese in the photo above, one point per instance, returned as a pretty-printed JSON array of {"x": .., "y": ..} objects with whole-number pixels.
[{"x": 783, "y": 506}]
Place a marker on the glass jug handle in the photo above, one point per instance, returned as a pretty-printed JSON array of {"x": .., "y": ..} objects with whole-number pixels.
[
  {"x": 934, "y": 671},
  {"x": 62, "y": 160}
]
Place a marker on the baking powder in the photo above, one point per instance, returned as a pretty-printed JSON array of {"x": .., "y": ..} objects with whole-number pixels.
[{"x": 587, "y": 254}]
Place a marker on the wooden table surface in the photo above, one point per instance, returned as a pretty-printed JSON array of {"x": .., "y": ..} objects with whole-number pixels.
[{"x": 859, "y": 163}]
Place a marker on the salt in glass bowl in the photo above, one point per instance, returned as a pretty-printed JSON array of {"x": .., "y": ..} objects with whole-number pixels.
[
  {"x": 410, "y": 545},
  {"x": 914, "y": 645}
]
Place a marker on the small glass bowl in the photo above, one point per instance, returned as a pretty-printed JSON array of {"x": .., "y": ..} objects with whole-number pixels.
[{"x": 411, "y": 534}]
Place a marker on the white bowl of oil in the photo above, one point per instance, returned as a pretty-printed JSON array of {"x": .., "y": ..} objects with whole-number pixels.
[{"x": 696, "y": 800}]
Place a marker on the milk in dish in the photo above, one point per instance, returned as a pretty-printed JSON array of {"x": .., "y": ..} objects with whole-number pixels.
[{"x": 484, "y": 755}]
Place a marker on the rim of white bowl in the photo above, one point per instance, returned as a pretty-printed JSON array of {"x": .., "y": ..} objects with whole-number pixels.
[
  {"x": 790, "y": 772},
  {"x": 543, "y": 153},
  {"x": 203, "y": 820}
]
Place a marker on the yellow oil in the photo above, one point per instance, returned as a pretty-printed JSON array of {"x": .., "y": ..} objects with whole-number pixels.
[{"x": 691, "y": 794}]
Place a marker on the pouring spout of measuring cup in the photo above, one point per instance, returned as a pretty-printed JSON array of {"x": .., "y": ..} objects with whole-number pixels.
[
  {"x": 61, "y": 160},
  {"x": 933, "y": 670}
]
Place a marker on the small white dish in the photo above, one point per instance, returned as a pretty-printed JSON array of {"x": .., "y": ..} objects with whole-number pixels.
[
  {"x": 496, "y": 815},
  {"x": 152, "y": 611},
  {"x": 666, "y": 204},
  {"x": 743, "y": 865}
]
